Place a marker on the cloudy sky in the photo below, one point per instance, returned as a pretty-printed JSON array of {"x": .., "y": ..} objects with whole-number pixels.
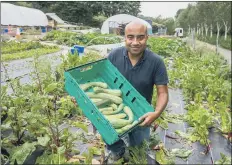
[{"x": 165, "y": 9}]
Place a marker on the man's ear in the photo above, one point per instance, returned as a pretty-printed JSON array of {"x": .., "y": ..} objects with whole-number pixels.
[{"x": 147, "y": 37}]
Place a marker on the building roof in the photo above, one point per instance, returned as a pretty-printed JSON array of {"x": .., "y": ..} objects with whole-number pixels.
[
  {"x": 55, "y": 17},
  {"x": 22, "y": 16},
  {"x": 116, "y": 20}
]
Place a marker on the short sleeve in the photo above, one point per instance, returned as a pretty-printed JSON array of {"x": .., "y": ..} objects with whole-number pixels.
[
  {"x": 110, "y": 56},
  {"x": 160, "y": 74}
]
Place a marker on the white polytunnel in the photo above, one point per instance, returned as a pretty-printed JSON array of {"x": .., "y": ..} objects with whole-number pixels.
[
  {"x": 22, "y": 16},
  {"x": 116, "y": 20}
]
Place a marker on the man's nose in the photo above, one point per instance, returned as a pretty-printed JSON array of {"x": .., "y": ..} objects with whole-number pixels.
[{"x": 135, "y": 41}]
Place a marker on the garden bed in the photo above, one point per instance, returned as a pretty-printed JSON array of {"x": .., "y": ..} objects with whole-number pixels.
[
  {"x": 72, "y": 38},
  {"x": 40, "y": 116},
  {"x": 18, "y": 50}
]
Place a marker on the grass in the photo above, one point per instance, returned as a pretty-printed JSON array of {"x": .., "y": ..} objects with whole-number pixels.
[{"x": 222, "y": 42}]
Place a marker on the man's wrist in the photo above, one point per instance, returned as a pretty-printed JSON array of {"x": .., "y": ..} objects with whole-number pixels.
[{"x": 158, "y": 112}]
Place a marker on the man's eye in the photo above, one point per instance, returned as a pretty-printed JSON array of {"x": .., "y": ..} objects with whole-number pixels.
[{"x": 141, "y": 37}]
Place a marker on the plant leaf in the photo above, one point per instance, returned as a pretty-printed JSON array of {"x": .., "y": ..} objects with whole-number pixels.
[
  {"x": 51, "y": 87},
  {"x": 20, "y": 153},
  {"x": 80, "y": 125},
  {"x": 43, "y": 141},
  {"x": 95, "y": 151}
]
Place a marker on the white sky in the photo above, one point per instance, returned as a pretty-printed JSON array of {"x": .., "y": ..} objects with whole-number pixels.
[{"x": 165, "y": 9}]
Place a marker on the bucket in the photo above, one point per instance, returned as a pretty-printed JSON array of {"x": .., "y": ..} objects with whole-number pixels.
[
  {"x": 73, "y": 51},
  {"x": 79, "y": 48},
  {"x": 43, "y": 30}
]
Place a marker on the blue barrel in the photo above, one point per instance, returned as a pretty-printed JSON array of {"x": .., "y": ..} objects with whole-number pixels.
[
  {"x": 43, "y": 30},
  {"x": 6, "y": 30},
  {"x": 79, "y": 48},
  {"x": 73, "y": 51}
]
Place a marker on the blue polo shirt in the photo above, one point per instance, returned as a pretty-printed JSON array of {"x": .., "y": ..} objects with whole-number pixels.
[{"x": 150, "y": 70}]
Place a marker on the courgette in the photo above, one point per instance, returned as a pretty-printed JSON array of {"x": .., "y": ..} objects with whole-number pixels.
[
  {"x": 129, "y": 112},
  {"x": 107, "y": 112},
  {"x": 115, "y": 99},
  {"x": 119, "y": 109},
  {"x": 126, "y": 128},
  {"x": 102, "y": 102},
  {"x": 117, "y": 116},
  {"x": 106, "y": 109},
  {"x": 115, "y": 92},
  {"x": 86, "y": 86},
  {"x": 95, "y": 100},
  {"x": 114, "y": 106},
  {"x": 118, "y": 123}
]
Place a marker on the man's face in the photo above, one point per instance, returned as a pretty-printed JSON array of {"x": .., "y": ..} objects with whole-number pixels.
[{"x": 136, "y": 38}]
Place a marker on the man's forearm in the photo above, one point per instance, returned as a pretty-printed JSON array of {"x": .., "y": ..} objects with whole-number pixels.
[{"x": 161, "y": 103}]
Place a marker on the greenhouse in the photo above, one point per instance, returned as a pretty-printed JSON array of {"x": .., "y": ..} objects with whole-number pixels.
[
  {"x": 22, "y": 16},
  {"x": 70, "y": 90},
  {"x": 114, "y": 22}
]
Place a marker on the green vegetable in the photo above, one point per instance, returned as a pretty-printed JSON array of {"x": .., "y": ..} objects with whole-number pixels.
[
  {"x": 115, "y": 92},
  {"x": 126, "y": 128},
  {"x": 114, "y": 99},
  {"x": 119, "y": 109},
  {"x": 129, "y": 112},
  {"x": 86, "y": 86},
  {"x": 107, "y": 112},
  {"x": 106, "y": 109},
  {"x": 102, "y": 102},
  {"x": 117, "y": 116},
  {"x": 114, "y": 106},
  {"x": 95, "y": 100},
  {"x": 119, "y": 123}
]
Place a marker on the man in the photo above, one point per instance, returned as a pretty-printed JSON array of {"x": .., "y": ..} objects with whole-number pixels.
[{"x": 143, "y": 69}]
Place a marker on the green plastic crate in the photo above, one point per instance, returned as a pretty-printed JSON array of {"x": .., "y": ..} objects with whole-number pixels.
[{"x": 104, "y": 71}]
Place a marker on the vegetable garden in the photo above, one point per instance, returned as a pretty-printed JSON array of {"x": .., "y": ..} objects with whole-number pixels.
[
  {"x": 41, "y": 124},
  {"x": 17, "y": 50},
  {"x": 72, "y": 38}
]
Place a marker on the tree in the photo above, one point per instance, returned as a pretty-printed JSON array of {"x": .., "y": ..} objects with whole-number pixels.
[
  {"x": 98, "y": 20},
  {"x": 84, "y": 11},
  {"x": 205, "y": 16},
  {"x": 178, "y": 13},
  {"x": 170, "y": 25},
  {"x": 226, "y": 17},
  {"x": 25, "y": 4}
]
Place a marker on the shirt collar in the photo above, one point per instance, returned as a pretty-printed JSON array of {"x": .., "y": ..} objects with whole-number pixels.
[{"x": 125, "y": 53}]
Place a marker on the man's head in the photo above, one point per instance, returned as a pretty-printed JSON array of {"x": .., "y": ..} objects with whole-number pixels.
[{"x": 136, "y": 37}]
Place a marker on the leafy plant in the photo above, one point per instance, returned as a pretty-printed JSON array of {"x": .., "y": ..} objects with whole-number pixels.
[
  {"x": 224, "y": 159},
  {"x": 72, "y": 38},
  {"x": 34, "y": 114},
  {"x": 30, "y": 53},
  {"x": 138, "y": 154}
]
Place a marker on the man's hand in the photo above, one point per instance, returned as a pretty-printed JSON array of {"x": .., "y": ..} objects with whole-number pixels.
[{"x": 149, "y": 118}]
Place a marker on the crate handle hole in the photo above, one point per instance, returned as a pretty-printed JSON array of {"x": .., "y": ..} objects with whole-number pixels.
[
  {"x": 116, "y": 79},
  {"x": 92, "y": 112},
  {"x": 120, "y": 86},
  {"x": 133, "y": 100},
  {"x": 127, "y": 93}
]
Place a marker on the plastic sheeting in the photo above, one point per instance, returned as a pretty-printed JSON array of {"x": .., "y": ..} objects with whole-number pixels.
[
  {"x": 115, "y": 20},
  {"x": 22, "y": 16}
]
